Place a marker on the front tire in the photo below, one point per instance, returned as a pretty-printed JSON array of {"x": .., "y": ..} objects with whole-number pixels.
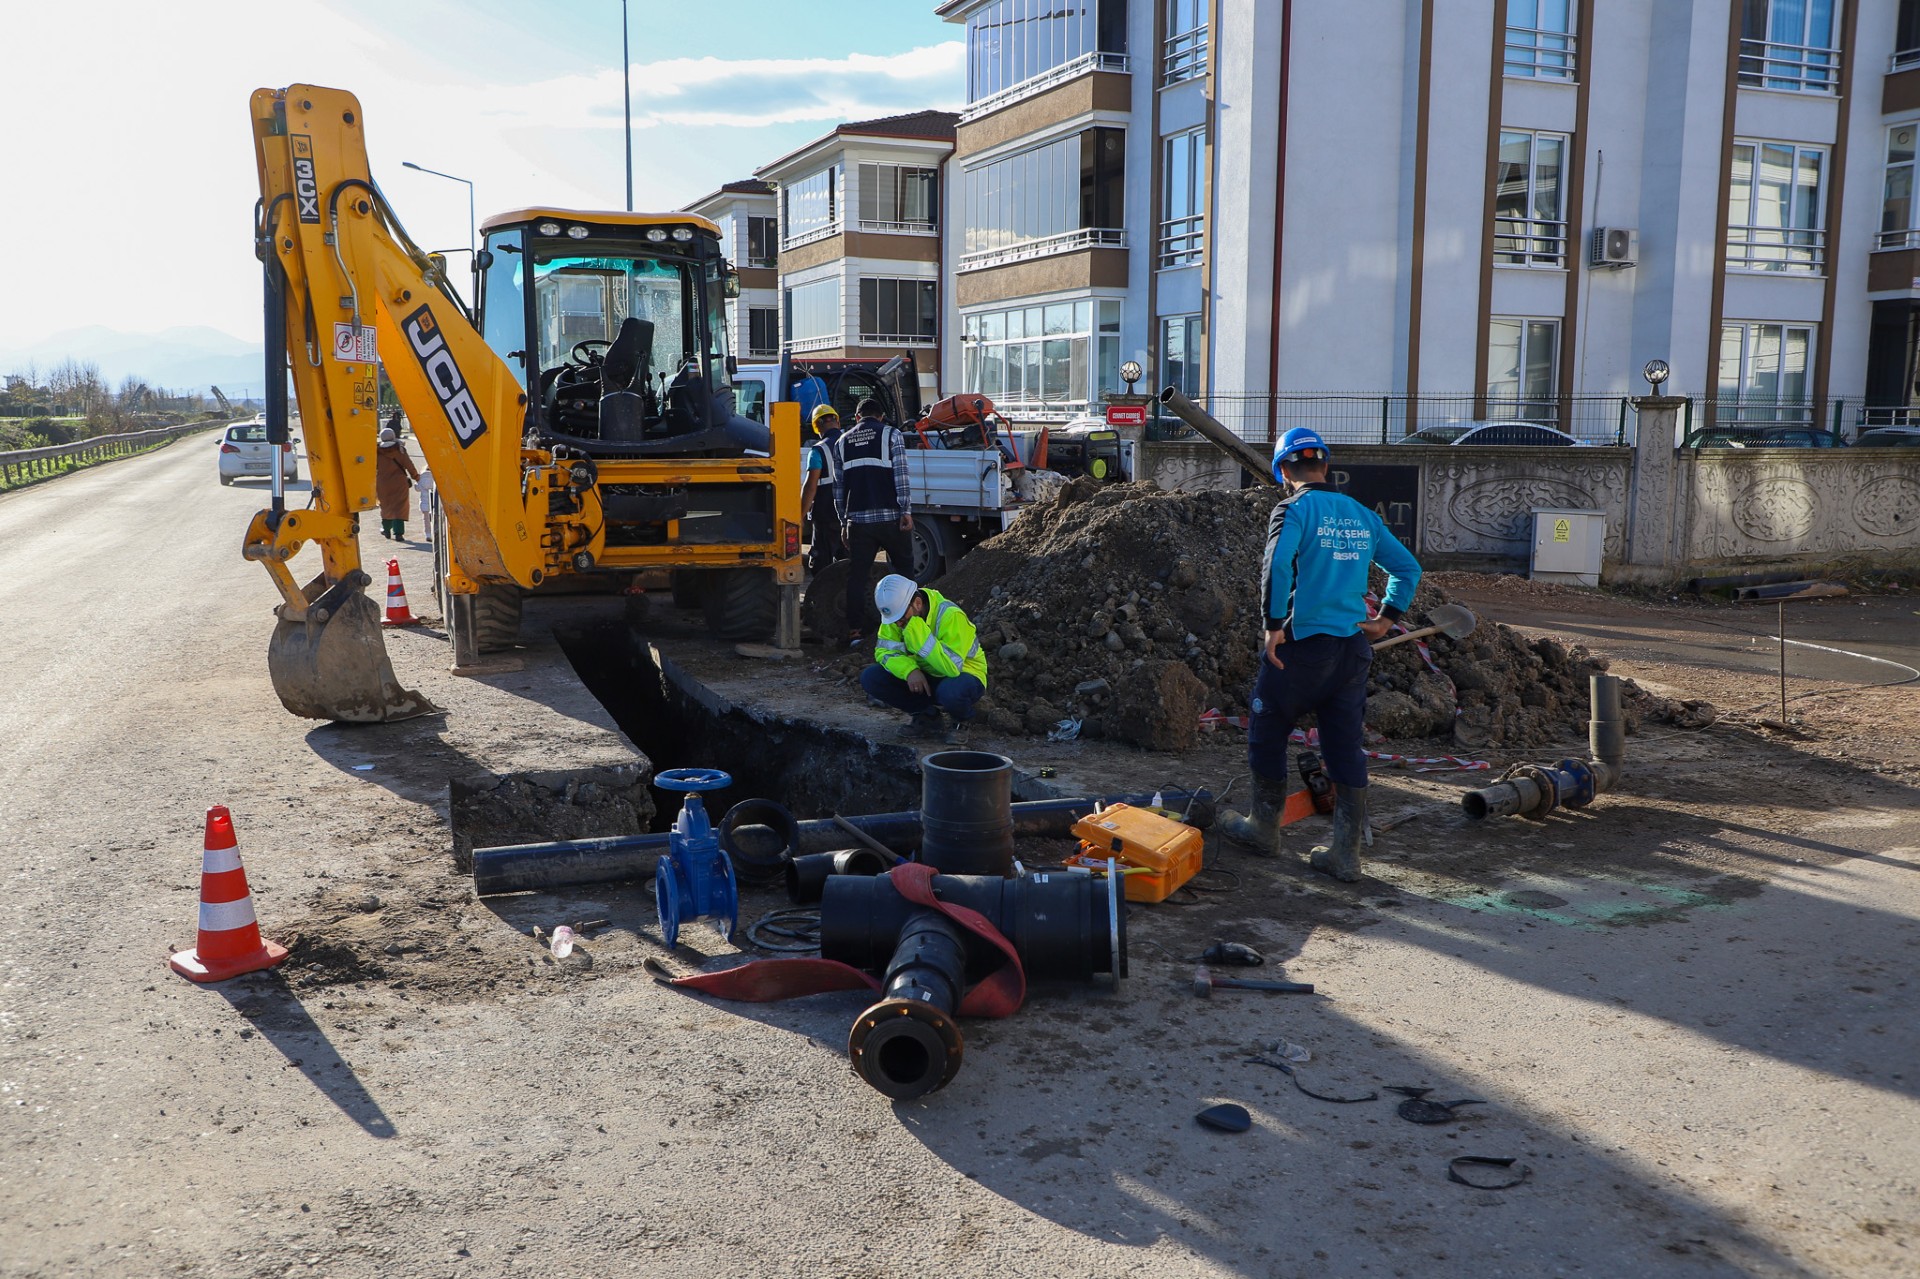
[{"x": 496, "y": 617}]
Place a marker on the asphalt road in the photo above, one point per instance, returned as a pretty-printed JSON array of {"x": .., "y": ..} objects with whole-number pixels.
[{"x": 1689, "y": 1011}]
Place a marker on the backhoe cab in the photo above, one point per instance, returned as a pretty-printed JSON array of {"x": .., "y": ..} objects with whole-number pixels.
[{"x": 579, "y": 420}]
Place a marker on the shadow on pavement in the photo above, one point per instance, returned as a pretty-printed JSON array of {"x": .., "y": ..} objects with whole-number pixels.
[{"x": 277, "y": 1013}]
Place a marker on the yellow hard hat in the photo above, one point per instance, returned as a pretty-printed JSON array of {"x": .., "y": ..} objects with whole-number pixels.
[{"x": 824, "y": 411}]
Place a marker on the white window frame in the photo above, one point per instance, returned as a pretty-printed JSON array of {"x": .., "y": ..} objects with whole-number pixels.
[
  {"x": 1796, "y": 65},
  {"x": 1013, "y": 186},
  {"x": 1192, "y": 329},
  {"x": 748, "y": 346},
  {"x": 991, "y": 353},
  {"x": 1183, "y": 233},
  {"x": 1900, "y": 173},
  {"x": 797, "y": 336},
  {"x": 1536, "y": 51},
  {"x": 1532, "y": 241},
  {"x": 1510, "y": 398},
  {"x": 836, "y": 189},
  {"x": 1751, "y": 355},
  {"x": 878, "y": 336},
  {"x": 1761, "y": 247},
  {"x": 870, "y": 177},
  {"x": 770, "y": 242},
  {"x": 1184, "y": 56}
]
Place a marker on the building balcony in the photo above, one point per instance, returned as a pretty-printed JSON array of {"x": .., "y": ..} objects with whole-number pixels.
[
  {"x": 1767, "y": 249},
  {"x": 1026, "y": 250},
  {"x": 898, "y": 339},
  {"x": 1085, "y": 64},
  {"x": 1536, "y": 54},
  {"x": 825, "y": 343},
  {"x": 1794, "y": 68},
  {"x": 1183, "y": 241},
  {"x": 1185, "y": 57},
  {"x": 898, "y": 228},
  {"x": 1900, "y": 90},
  {"x": 1538, "y": 242},
  {"x": 828, "y": 231}
]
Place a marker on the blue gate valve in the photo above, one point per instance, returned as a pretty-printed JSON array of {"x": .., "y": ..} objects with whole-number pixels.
[{"x": 694, "y": 878}]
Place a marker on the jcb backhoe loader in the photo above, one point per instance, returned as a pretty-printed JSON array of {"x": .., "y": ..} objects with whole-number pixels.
[{"x": 578, "y": 422}]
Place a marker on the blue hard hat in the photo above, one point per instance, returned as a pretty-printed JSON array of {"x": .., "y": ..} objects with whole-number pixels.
[{"x": 1299, "y": 442}]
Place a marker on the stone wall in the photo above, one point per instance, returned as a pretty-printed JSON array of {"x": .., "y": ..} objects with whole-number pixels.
[{"x": 1671, "y": 514}]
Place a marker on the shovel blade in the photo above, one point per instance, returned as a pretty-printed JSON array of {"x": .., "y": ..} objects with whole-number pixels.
[
  {"x": 1456, "y": 621},
  {"x": 337, "y": 668}
]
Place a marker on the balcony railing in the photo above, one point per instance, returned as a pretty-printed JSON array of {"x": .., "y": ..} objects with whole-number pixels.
[
  {"x": 816, "y": 344},
  {"x": 898, "y": 228},
  {"x": 808, "y": 237},
  {"x": 1529, "y": 242},
  {"x": 764, "y": 352},
  {"x": 1796, "y": 68},
  {"x": 1183, "y": 240},
  {"x": 1905, "y": 59},
  {"x": 897, "y": 339},
  {"x": 1066, "y": 71},
  {"x": 1186, "y": 56},
  {"x": 1772, "y": 248},
  {"x": 1899, "y": 240},
  {"x": 1065, "y": 242},
  {"x": 772, "y": 260},
  {"x": 1539, "y": 54}
]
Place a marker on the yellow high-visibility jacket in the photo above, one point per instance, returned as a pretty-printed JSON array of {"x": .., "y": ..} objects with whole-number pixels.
[{"x": 942, "y": 644}]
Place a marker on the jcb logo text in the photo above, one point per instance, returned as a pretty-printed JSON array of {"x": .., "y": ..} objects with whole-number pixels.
[{"x": 443, "y": 375}]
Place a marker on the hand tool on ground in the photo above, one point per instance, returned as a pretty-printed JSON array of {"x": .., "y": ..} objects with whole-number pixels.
[
  {"x": 1204, "y": 983},
  {"x": 1455, "y": 621}
]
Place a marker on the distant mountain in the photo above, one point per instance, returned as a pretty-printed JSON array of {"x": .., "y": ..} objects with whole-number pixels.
[{"x": 188, "y": 358}]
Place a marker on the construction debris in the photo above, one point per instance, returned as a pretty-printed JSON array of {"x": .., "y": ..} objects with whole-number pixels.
[{"x": 1134, "y": 610}]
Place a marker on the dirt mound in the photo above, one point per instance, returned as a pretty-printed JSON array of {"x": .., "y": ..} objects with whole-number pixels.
[{"x": 1085, "y": 602}]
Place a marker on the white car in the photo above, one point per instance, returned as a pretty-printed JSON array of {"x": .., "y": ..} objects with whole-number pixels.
[{"x": 244, "y": 452}]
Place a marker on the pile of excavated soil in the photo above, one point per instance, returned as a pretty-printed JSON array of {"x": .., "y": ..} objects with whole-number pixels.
[{"x": 1134, "y": 609}]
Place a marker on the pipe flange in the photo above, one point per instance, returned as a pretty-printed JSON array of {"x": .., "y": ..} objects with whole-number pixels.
[
  {"x": 1549, "y": 789},
  {"x": 905, "y": 1048}
]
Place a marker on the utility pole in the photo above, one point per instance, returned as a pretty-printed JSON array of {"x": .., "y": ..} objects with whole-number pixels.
[{"x": 626, "y": 98}]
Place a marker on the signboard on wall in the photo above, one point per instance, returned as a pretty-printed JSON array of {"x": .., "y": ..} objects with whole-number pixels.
[{"x": 1392, "y": 491}]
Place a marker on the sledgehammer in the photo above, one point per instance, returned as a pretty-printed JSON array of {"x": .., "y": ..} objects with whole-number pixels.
[
  {"x": 1204, "y": 983},
  {"x": 1455, "y": 621}
]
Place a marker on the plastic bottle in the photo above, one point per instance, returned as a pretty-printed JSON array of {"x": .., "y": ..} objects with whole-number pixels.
[{"x": 562, "y": 942}]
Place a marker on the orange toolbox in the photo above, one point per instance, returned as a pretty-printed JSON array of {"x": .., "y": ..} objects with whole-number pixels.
[{"x": 1156, "y": 854}]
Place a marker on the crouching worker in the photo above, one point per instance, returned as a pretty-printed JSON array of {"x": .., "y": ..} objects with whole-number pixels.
[
  {"x": 927, "y": 658},
  {"x": 1321, "y": 546}
]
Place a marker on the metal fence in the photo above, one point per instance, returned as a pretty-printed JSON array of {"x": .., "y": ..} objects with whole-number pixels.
[
  {"x": 1832, "y": 416},
  {"x": 1358, "y": 417},
  {"x": 24, "y": 464}
]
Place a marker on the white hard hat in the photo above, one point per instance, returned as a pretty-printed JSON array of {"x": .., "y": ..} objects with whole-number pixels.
[{"x": 891, "y": 595}]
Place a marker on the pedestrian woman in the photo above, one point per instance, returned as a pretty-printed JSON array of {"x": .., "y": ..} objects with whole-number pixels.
[{"x": 394, "y": 475}]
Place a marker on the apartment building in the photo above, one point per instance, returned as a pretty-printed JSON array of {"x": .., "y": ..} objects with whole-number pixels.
[
  {"x": 1463, "y": 210},
  {"x": 748, "y": 215},
  {"x": 860, "y": 250}
]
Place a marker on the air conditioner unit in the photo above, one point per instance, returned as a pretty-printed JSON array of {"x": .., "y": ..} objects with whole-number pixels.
[{"x": 1614, "y": 246}]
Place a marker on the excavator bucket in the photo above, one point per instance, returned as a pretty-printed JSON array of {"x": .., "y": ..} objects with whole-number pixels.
[{"x": 333, "y": 665}]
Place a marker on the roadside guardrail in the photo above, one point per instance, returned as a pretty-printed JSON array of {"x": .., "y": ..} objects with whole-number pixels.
[{"x": 27, "y": 463}]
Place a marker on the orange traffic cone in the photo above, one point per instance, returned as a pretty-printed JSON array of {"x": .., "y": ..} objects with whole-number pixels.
[
  {"x": 230, "y": 941},
  {"x": 398, "y": 614}
]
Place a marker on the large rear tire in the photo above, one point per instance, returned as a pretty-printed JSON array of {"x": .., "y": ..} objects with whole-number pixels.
[
  {"x": 496, "y": 617},
  {"x": 741, "y": 603}
]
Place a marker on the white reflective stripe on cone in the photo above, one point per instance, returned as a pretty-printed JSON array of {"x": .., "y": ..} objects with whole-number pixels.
[
  {"x": 219, "y": 860},
  {"x": 220, "y": 917}
]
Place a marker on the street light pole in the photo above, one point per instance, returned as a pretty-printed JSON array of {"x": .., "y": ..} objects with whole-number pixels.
[
  {"x": 472, "y": 233},
  {"x": 626, "y": 98}
]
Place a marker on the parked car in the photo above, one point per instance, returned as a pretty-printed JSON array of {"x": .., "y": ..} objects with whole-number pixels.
[
  {"x": 1889, "y": 437},
  {"x": 1760, "y": 437},
  {"x": 1491, "y": 433},
  {"x": 245, "y": 451}
]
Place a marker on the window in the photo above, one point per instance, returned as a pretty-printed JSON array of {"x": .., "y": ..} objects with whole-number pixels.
[
  {"x": 1066, "y": 194},
  {"x": 1775, "y": 212},
  {"x": 811, "y": 206},
  {"x": 1540, "y": 39},
  {"x": 1529, "y": 222},
  {"x": 1764, "y": 373},
  {"x": 813, "y": 315},
  {"x": 1523, "y": 368},
  {"x": 1053, "y": 359},
  {"x": 893, "y": 312},
  {"x": 1184, "y": 198},
  {"x": 1015, "y": 44},
  {"x": 1186, "y": 52},
  {"x": 1906, "y": 36},
  {"x": 503, "y": 301},
  {"x": 895, "y": 198},
  {"x": 763, "y": 330},
  {"x": 1897, "y": 229},
  {"x": 1788, "y": 44},
  {"x": 1180, "y": 351},
  {"x": 763, "y": 241}
]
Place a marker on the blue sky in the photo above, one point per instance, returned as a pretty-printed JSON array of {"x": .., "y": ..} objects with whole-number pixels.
[{"x": 143, "y": 160}]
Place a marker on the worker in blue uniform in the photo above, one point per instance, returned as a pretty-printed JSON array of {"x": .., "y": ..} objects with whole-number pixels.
[{"x": 1321, "y": 547}]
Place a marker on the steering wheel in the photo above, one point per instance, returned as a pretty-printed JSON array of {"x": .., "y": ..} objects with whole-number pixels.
[{"x": 580, "y": 356}]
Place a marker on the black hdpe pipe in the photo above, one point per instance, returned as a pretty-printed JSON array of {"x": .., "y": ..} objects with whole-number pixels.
[
  {"x": 1063, "y": 927},
  {"x": 966, "y": 812},
  {"x": 610, "y": 859},
  {"x": 1534, "y": 790},
  {"x": 807, "y": 876}
]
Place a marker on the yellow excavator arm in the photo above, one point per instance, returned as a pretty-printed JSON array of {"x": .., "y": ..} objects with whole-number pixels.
[{"x": 346, "y": 293}]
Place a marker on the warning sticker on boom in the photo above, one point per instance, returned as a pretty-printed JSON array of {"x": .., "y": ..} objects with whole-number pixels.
[{"x": 355, "y": 345}]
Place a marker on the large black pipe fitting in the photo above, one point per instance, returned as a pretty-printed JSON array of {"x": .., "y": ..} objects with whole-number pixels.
[
  {"x": 966, "y": 813},
  {"x": 1606, "y": 730},
  {"x": 759, "y": 835},
  {"x": 907, "y": 1045},
  {"x": 806, "y": 876},
  {"x": 1063, "y": 927},
  {"x": 1534, "y": 790},
  {"x": 609, "y": 859}
]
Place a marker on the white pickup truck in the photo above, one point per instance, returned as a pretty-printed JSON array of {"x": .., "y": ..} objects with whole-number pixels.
[{"x": 960, "y": 495}]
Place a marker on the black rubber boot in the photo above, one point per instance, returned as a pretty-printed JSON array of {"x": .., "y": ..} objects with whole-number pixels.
[
  {"x": 1259, "y": 831},
  {"x": 1341, "y": 858}
]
